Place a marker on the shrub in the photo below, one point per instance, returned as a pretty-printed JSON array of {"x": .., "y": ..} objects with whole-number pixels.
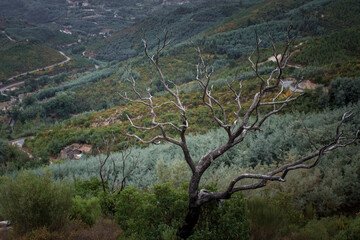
[
  {"x": 352, "y": 233},
  {"x": 85, "y": 210},
  {"x": 343, "y": 91},
  {"x": 314, "y": 230},
  {"x": 30, "y": 201},
  {"x": 107, "y": 203},
  {"x": 273, "y": 217},
  {"x": 226, "y": 222},
  {"x": 104, "y": 229},
  {"x": 158, "y": 215},
  {"x": 88, "y": 188}
]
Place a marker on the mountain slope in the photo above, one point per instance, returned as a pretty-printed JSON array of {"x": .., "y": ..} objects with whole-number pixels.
[{"x": 23, "y": 56}]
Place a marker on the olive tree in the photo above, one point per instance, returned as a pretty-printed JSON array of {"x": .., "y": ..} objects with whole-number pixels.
[{"x": 237, "y": 125}]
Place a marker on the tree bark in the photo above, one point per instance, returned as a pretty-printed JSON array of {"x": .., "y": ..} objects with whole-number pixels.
[
  {"x": 193, "y": 214},
  {"x": 191, "y": 219}
]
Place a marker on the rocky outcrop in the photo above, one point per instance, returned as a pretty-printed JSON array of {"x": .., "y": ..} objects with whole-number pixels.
[
  {"x": 75, "y": 151},
  {"x": 112, "y": 119}
]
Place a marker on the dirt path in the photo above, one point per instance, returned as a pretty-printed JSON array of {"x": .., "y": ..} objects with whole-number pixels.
[
  {"x": 8, "y": 36},
  {"x": 273, "y": 59},
  {"x": 289, "y": 82}
]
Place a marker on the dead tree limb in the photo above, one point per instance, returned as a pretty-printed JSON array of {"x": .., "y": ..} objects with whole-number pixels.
[{"x": 109, "y": 168}]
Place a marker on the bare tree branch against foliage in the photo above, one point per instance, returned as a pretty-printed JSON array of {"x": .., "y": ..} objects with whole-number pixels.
[
  {"x": 114, "y": 171},
  {"x": 237, "y": 125}
]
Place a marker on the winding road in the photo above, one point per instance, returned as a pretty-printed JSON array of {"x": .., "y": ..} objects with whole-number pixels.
[
  {"x": 38, "y": 69},
  {"x": 2, "y": 90},
  {"x": 32, "y": 71}
]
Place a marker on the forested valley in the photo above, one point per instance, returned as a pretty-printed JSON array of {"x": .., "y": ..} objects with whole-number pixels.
[{"x": 176, "y": 119}]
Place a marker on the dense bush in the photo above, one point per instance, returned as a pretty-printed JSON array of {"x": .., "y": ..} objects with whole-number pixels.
[
  {"x": 272, "y": 218},
  {"x": 88, "y": 188},
  {"x": 158, "y": 215},
  {"x": 30, "y": 201},
  {"x": 343, "y": 91},
  {"x": 224, "y": 223},
  {"x": 352, "y": 232},
  {"x": 85, "y": 210}
]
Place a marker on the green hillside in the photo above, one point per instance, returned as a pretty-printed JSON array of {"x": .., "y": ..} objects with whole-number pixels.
[
  {"x": 23, "y": 56},
  {"x": 229, "y": 28}
]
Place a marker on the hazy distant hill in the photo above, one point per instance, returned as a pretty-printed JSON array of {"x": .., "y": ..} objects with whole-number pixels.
[
  {"x": 228, "y": 27},
  {"x": 87, "y": 16}
]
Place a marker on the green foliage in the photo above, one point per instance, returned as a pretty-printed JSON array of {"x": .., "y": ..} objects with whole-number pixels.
[
  {"x": 61, "y": 106},
  {"x": 44, "y": 34},
  {"x": 107, "y": 203},
  {"x": 337, "y": 47},
  {"x": 88, "y": 188},
  {"x": 31, "y": 201},
  {"x": 158, "y": 215},
  {"x": 226, "y": 222},
  {"x": 272, "y": 218},
  {"x": 352, "y": 232},
  {"x": 177, "y": 173},
  {"x": 85, "y": 210},
  {"x": 93, "y": 188},
  {"x": 341, "y": 13},
  {"x": 78, "y": 83},
  {"x": 343, "y": 91},
  {"x": 57, "y": 102},
  {"x": 14, "y": 159},
  {"x": 322, "y": 229}
]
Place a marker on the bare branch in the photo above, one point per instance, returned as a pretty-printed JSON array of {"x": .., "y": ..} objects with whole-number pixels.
[
  {"x": 238, "y": 102},
  {"x": 107, "y": 144},
  {"x": 203, "y": 77},
  {"x": 284, "y": 169}
]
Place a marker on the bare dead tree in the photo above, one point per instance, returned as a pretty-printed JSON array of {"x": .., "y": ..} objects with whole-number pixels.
[
  {"x": 126, "y": 172},
  {"x": 104, "y": 175},
  {"x": 236, "y": 129},
  {"x": 114, "y": 171}
]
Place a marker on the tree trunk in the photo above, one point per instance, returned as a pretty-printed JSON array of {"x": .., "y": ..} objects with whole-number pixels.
[
  {"x": 190, "y": 221},
  {"x": 193, "y": 214}
]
